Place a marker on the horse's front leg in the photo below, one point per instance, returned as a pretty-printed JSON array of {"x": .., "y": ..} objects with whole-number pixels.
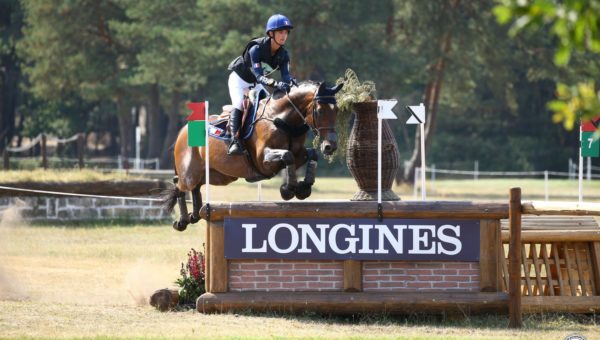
[
  {"x": 305, "y": 187},
  {"x": 290, "y": 181}
]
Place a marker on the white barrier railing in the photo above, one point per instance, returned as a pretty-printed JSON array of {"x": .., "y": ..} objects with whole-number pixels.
[{"x": 476, "y": 174}]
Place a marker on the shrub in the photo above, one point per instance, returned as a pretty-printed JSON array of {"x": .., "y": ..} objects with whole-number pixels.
[{"x": 192, "y": 280}]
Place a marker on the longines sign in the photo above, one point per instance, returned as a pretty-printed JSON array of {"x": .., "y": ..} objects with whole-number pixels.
[{"x": 345, "y": 238}]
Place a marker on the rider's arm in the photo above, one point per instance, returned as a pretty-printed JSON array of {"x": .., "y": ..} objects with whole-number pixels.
[
  {"x": 285, "y": 72},
  {"x": 285, "y": 69},
  {"x": 256, "y": 67}
]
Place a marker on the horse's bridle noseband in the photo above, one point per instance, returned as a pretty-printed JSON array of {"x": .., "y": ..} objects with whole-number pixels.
[{"x": 315, "y": 113}]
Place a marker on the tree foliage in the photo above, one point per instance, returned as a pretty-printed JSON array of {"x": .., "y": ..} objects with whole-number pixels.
[
  {"x": 88, "y": 63},
  {"x": 576, "y": 25}
]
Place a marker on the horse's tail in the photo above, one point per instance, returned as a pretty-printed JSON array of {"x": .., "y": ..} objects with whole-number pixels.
[
  {"x": 169, "y": 199},
  {"x": 169, "y": 196}
]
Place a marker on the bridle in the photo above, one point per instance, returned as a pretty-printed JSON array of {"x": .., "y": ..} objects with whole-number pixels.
[{"x": 315, "y": 113}]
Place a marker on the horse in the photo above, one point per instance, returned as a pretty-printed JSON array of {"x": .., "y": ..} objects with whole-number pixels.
[{"x": 277, "y": 143}]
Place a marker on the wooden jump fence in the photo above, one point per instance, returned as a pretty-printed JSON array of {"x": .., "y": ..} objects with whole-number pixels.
[{"x": 526, "y": 264}]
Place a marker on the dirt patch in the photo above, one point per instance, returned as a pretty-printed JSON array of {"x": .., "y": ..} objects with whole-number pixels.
[
  {"x": 143, "y": 279},
  {"x": 11, "y": 217},
  {"x": 10, "y": 287}
]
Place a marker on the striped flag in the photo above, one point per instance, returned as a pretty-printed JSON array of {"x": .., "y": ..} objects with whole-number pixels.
[{"x": 197, "y": 124}]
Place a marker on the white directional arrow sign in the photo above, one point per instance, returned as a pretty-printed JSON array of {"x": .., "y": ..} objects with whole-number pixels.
[
  {"x": 384, "y": 109},
  {"x": 417, "y": 114}
]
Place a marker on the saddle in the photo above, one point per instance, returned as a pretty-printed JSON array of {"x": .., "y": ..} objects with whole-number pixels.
[{"x": 219, "y": 124}]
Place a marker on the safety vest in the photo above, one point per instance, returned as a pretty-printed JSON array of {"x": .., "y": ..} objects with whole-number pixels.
[{"x": 242, "y": 65}]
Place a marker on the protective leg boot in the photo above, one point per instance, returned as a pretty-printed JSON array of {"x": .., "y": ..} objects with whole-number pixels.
[{"x": 235, "y": 148}]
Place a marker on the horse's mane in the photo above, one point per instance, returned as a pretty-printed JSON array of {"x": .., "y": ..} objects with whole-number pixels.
[
  {"x": 309, "y": 82},
  {"x": 306, "y": 84},
  {"x": 305, "y": 88}
]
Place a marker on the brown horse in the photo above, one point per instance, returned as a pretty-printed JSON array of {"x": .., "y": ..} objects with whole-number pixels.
[{"x": 276, "y": 143}]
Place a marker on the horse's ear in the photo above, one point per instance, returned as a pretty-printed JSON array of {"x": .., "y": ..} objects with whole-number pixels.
[
  {"x": 322, "y": 86},
  {"x": 338, "y": 87}
]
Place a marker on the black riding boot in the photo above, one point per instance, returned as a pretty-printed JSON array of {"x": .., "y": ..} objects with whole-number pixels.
[{"x": 235, "y": 148}]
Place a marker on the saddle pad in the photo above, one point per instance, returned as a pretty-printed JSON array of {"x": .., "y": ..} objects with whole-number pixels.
[{"x": 218, "y": 128}]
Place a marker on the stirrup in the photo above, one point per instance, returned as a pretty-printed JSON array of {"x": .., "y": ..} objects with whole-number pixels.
[{"x": 235, "y": 148}]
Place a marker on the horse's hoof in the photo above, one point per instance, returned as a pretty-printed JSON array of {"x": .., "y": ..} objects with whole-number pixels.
[
  {"x": 286, "y": 192},
  {"x": 179, "y": 226},
  {"x": 303, "y": 190},
  {"x": 194, "y": 218}
]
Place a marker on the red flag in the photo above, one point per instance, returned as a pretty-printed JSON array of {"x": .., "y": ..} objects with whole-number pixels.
[
  {"x": 590, "y": 125},
  {"x": 198, "y": 111}
]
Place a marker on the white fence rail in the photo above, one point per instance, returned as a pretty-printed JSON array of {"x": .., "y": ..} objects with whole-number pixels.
[{"x": 476, "y": 174}]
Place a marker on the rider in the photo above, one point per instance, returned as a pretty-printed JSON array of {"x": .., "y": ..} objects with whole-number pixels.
[{"x": 248, "y": 71}]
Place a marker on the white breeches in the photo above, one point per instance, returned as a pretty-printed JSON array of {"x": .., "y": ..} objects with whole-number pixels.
[{"x": 237, "y": 88}]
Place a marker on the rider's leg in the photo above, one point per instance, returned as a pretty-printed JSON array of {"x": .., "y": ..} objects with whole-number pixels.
[
  {"x": 235, "y": 148},
  {"x": 237, "y": 87}
]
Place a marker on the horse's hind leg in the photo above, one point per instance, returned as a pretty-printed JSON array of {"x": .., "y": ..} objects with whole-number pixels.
[
  {"x": 184, "y": 218},
  {"x": 305, "y": 187},
  {"x": 197, "y": 204}
]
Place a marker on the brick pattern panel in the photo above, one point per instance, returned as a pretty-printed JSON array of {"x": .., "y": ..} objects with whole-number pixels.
[
  {"x": 285, "y": 275},
  {"x": 403, "y": 276}
]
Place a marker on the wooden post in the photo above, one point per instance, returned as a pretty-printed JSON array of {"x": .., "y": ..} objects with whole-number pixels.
[
  {"x": 208, "y": 260},
  {"x": 490, "y": 250},
  {"x": 80, "y": 149},
  {"x": 218, "y": 264},
  {"x": 44, "y": 155},
  {"x": 6, "y": 157},
  {"x": 514, "y": 271},
  {"x": 352, "y": 276}
]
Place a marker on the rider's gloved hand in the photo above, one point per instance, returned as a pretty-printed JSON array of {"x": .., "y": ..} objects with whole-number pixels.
[
  {"x": 267, "y": 81},
  {"x": 285, "y": 87}
]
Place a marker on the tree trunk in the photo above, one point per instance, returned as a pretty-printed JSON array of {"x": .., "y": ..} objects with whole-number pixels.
[
  {"x": 431, "y": 99},
  {"x": 11, "y": 20},
  {"x": 9, "y": 93},
  {"x": 166, "y": 159},
  {"x": 124, "y": 116},
  {"x": 154, "y": 131}
]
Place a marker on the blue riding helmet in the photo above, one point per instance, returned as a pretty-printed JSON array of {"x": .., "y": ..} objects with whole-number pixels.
[{"x": 278, "y": 22}]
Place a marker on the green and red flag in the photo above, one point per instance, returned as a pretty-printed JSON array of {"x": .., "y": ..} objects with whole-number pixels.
[{"x": 197, "y": 124}]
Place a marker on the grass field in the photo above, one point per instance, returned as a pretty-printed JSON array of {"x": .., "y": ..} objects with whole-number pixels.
[
  {"x": 464, "y": 190},
  {"x": 345, "y": 187},
  {"x": 92, "y": 280}
]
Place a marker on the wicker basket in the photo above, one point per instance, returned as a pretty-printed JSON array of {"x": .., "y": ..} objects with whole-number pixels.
[{"x": 361, "y": 154}]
